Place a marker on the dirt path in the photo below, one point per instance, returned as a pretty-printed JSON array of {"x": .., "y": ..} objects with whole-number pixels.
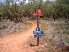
[{"x": 12, "y": 43}]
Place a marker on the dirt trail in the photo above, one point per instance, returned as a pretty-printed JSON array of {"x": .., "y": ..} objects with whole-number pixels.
[{"x": 12, "y": 43}]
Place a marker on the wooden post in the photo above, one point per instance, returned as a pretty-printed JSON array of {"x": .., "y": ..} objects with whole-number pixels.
[{"x": 37, "y": 27}]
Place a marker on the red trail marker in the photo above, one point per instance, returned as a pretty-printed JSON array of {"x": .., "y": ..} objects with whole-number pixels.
[{"x": 38, "y": 13}]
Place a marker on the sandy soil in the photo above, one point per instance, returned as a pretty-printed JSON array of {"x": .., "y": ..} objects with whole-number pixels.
[{"x": 14, "y": 43}]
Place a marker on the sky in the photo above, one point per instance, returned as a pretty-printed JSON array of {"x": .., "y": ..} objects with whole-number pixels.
[{"x": 21, "y": 0}]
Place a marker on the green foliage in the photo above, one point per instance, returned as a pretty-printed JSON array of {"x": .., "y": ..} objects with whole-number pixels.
[
  {"x": 63, "y": 8},
  {"x": 56, "y": 9}
]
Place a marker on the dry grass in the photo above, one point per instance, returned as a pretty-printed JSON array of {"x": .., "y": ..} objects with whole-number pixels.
[
  {"x": 10, "y": 27},
  {"x": 47, "y": 44}
]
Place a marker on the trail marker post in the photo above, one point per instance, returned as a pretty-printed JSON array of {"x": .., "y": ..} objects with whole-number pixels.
[{"x": 38, "y": 33}]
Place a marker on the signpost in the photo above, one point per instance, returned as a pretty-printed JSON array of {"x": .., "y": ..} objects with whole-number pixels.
[{"x": 38, "y": 33}]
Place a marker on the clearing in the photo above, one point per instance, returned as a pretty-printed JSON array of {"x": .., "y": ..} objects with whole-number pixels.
[{"x": 13, "y": 43}]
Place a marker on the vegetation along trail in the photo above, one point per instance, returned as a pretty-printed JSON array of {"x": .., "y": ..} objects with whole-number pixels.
[{"x": 12, "y": 43}]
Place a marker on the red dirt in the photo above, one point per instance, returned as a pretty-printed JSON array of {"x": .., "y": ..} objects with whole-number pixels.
[{"x": 12, "y": 43}]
